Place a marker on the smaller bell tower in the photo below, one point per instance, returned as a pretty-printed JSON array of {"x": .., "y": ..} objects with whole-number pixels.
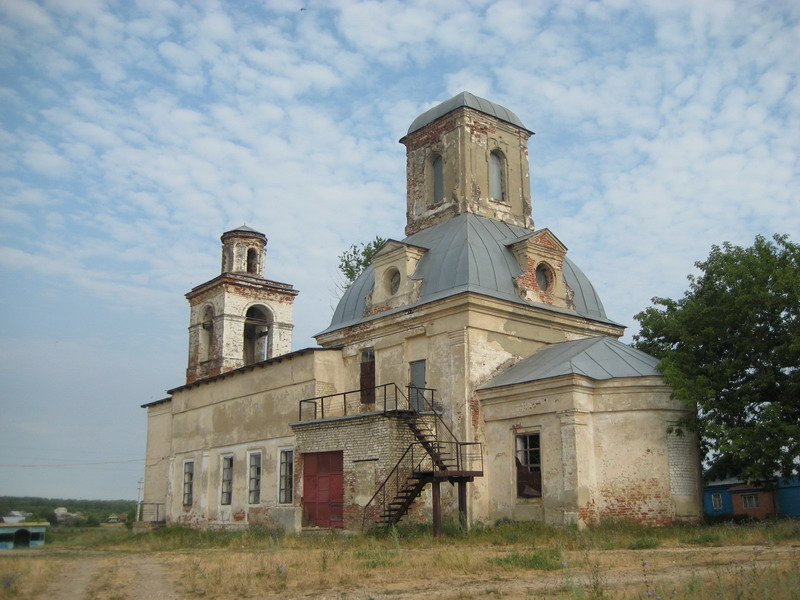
[
  {"x": 467, "y": 155},
  {"x": 239, "y": 317}
]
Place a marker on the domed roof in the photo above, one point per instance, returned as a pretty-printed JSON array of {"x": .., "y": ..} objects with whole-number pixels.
[
  {"x": 468, "y": 100},
  {"x": 467, "y": 253}
]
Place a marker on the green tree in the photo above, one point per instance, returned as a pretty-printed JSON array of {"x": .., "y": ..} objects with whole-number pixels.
[
  {"x": 731, "y": 347},
  {"x": 354, "y": 260}
]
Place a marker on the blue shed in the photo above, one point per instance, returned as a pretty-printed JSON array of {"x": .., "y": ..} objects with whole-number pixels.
[
  {"x": 788, "y": 496},
  {"x": 22, "y": 535}
]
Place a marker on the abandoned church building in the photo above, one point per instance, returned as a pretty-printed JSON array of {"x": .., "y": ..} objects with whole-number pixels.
[{"x": 470, "y": 372}]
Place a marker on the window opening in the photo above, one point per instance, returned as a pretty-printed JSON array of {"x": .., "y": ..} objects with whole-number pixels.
[
  {"x": 497, "y": 178},
  {"x": 716, "y": 501},
  {"x": 750, "y": 501},
  {"x": 394, "y": 281},
  {"x": 188, "y": 482},
  {"x": 206, "y": 334},
  {"x": 529, "y": 467},
  {"x": 368, "y": 376},
  {"x": 227, "y": 480},
  {"x": 257, "y": 332},
  {"x": 252, "y": 261},
  {"x": 286, "y": 483},
  {"x": 438, "y": 180},
  {"x": 543, "y": 277},
  {"x": 254, "y": 483}
]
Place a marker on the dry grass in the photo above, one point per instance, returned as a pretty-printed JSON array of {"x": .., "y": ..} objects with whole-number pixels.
[
  {"x": 25, "y": 577},
  {"x": 512, "y": 561},
  {"x": 113, "y": 580}
]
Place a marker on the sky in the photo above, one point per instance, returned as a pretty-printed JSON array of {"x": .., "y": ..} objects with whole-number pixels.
[{"x": 133, "y": 133}]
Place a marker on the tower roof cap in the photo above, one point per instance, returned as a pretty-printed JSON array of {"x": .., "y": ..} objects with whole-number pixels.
[
  {"x": 244, "y": 229},
  {"x": 471, "y": 101}
]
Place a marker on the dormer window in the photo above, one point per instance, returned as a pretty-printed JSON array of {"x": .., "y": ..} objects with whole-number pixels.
[
  {"x": 438, "y": 180},
  {"x": 543, "y": 277},
  {"x": 393, "y": 280},
  {"x": 497, "y": 176}
]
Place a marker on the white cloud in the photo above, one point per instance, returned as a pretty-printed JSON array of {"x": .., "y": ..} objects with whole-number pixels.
[{"x": 132, "y": 138}]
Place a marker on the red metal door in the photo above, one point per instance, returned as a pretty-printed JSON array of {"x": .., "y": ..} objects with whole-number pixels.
[{"x": 323, "y": 488}]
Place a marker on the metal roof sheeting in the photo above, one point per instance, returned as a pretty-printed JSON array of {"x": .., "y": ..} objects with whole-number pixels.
[
  {"x": 471, "y": 101},
  {"x": 467, "y": 253},
  {"x": 597, "y": 358}
]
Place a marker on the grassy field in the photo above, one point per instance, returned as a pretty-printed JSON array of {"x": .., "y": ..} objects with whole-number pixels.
[{"x": 509, "y": 560}]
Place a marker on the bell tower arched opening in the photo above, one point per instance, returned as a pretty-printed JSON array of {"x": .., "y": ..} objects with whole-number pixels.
[
  {"x": 206, "y": 337},
  {"x": 257, "y": 334},
  {"x": 252, "y": 261}
]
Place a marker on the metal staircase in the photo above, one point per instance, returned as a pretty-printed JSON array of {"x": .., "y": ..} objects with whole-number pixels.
[{"x": 435, "y": 455}]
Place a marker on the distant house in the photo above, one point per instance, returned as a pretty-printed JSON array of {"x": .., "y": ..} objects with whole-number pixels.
[
  {"x": 736, "y": 497},
  {"x": 22, "y": 535},
  {"x": 14, "y": 516},
  {"x": 117, "y": 518}
]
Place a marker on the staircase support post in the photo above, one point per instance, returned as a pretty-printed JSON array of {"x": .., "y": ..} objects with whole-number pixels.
[
  {"x": 462, "y": 504},
  {"x": 437, "y": 509}
]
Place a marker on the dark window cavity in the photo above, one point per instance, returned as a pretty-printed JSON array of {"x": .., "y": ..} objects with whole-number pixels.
[
  {"x": 529, "y": 466},
  {"x": 252, "y": 261}
]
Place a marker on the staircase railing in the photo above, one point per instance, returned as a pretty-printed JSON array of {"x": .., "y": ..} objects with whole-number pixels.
[
  {"x": 415, "y": 459},
  {"x": 382, "y": 398}
]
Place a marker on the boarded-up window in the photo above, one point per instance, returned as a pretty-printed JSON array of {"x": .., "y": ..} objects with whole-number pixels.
[
  {"x": 497, "y": 176},
  {"x": 529, "y": 466},
  {"x": 367, "y": 376},
  {"x": 438, "y": 181}
]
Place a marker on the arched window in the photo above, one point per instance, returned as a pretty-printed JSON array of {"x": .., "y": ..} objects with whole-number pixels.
[
  {"x": 252, "y": 261},
  {"x": 438, "y": 180},
  {"x": 206, "y": 334},
  {"x": 497, "y": 176},
  {"x": 257, "y": 334}
]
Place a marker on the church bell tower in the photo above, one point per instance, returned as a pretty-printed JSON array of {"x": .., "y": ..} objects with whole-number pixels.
[
  {"x": 238, "y": 318},
  {"x": 467, "y": 155}
]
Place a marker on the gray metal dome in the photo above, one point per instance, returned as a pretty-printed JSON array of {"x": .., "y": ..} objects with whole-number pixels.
[
  {"x": 467, "y": 253},
  {"x": 471, "y": 101}
]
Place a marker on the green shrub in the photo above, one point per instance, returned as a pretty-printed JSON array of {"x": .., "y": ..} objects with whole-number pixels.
[{"x": 644, "y": 544}]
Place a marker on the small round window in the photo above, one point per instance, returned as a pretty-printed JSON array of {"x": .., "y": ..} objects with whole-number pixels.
[
  {"x": 543, "y": 277},
  {"x": 393, "y": 279}
]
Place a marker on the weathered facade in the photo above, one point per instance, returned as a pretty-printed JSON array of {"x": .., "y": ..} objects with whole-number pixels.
[{"x": 472, "y": 352}]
